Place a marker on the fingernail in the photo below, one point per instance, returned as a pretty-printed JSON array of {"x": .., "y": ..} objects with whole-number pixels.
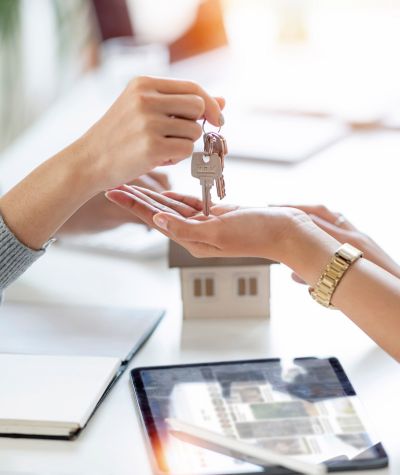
[
  {"x": 160, "y": 221},
  {"x": 221, "y": 120},
  {"x": 107, "y": 195}
]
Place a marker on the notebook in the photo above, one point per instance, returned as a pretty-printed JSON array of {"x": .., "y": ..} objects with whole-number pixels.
[
  {"x": 57, "y": 363},
  {"x": 52, "y": 396}
]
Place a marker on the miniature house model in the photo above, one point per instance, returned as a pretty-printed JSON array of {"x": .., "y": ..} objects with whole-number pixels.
[{"x": 222, "y": 287}]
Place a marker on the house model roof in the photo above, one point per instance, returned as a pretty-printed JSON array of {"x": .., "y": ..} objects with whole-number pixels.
[{"x": 180, "y": 257}]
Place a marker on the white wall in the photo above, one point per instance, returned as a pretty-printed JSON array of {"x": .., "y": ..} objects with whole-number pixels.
[{"x": 226, "y": 303}]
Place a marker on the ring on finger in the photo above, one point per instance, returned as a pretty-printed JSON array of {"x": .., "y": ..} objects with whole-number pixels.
[{"x": 340, "y": 220}]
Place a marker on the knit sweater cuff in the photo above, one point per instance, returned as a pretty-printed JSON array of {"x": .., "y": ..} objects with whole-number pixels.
[{"x": 15, "y": 257}]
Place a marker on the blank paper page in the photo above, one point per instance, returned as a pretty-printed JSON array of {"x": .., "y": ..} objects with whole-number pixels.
[{"x": 55, "y": 389}]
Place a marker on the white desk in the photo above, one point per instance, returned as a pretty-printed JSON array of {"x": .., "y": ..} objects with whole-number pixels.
[{"x": 112, "y": 443}]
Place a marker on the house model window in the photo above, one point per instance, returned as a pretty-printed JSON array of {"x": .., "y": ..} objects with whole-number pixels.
[
  {"x": 247, "y": 286},
  {"x": 203, "y": 287},
  {"x": 222, "y": 287}
]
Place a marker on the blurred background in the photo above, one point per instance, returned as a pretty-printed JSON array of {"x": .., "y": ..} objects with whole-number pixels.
[
  {"x": 312, "y": 116},
  {"x": 322, "y": 57},
  {"x": 303, "y": 79}
]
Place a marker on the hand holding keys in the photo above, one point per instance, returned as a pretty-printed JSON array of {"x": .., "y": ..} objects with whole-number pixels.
[{"x": 208, "y": 167}]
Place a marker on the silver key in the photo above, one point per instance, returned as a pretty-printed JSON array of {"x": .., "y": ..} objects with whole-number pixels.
[
  {"x": 216, "y": 143},
  {"x": 208, "y": 169}
]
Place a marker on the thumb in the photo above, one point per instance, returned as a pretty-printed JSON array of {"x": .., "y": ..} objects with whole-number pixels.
[
  {"x": 179, "y": 227},
  {"x": 168, "y": 222}
]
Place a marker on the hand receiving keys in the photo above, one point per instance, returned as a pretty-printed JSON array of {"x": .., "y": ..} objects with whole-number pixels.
[{"x": 225, "y": 232}]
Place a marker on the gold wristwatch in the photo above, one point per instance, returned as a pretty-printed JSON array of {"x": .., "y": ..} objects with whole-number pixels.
[{"x": 343, "y": 258}]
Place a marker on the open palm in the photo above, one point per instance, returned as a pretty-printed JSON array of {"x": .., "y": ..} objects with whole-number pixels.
[{"x": 229, "y": 230}]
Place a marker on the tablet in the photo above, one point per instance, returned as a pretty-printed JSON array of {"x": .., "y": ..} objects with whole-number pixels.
[{"x": 305, "y": 408}]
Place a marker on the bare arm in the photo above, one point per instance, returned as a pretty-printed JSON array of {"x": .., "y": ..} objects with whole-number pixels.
[
  {"x": 37, "y": 206},
  {"x": 367, "y": 294}
]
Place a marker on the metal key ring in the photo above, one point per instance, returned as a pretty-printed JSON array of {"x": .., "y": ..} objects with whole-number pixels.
[
  {"x": 204, "y": 131},
  {"x": 209, "y": 141}
]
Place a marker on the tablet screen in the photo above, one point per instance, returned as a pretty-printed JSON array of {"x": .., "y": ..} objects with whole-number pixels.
[{"x": 305, "y": 408}]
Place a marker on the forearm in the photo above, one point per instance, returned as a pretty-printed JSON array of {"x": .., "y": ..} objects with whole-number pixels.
[
  {"x": 37, "y": 206},
  {"x": 370, "y": 296},
  {"x": 367, "y": 294}
]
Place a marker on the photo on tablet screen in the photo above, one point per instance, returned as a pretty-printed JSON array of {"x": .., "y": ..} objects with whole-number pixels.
[{"x": 305, "y": 408}]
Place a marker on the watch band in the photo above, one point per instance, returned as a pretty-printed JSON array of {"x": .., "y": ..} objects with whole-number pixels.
[{"x": 343, "y": 258}]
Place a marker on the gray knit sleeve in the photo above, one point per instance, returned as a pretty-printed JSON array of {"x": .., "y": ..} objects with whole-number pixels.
[{"x": 15, "y": 257}]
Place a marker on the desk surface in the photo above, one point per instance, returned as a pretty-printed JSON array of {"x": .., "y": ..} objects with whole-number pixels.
[{"x": 367, "y": 166}]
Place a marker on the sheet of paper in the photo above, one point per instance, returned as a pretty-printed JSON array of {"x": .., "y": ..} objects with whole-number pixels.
[{"x": 54, "y": 390}]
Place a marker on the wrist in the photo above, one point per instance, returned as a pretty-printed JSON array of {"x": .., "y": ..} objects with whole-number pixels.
[
  {"x": 37, "y": 206},
  {"x": 80, "y": 168},
  {"x": 306, "y": 248}
]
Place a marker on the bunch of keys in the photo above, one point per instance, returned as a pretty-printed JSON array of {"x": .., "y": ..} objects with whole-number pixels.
[{"x": 208, "y": 166}]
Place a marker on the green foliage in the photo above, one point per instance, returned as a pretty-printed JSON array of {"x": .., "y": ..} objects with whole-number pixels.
[
  {"x": 73, "y": 28},
  {"x": 9, "y": 19},
  {"x": 10, "y": 80},
  {"x": 72, "y": 19}
]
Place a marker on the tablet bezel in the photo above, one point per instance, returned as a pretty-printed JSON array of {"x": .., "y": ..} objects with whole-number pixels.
[{"x": 154, "y": 445}]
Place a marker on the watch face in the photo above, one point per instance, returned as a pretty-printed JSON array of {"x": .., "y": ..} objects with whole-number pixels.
[{"x": 349, "y": 252}]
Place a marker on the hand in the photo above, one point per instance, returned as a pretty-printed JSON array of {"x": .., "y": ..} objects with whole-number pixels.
[
  {"x": 343, "y": 230},
  {"x": 228, "y": 231},
  {"x": 152, "y": 123},
  {"x": 98, "y": 214}
]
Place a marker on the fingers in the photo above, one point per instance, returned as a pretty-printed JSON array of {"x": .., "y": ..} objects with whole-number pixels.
[
  {"x": 340, "y": 234},
  {"x": 172, "y": 204},
  {"x": 143, "y": 210},
  {"x": 212, "y": 110},
  {"x": 137, "y": 202},
  {"x": 181, "y": 229},
  {"x": 201, "y": 250},
  {"x": 185, "y": 106},
  {"x": 191, "y": 201},
  {"x": 323, "y": 212},
  {"x": 337, "y": 219},
  {"x": 172, "y": 225},
  {"x": 317, "y": 210},
  {"x": 148, "y": 196},
  {"x": 221, "y": 102},
  {"x": 181, "y": 128},
  {"x": 176, "y": 149}
]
